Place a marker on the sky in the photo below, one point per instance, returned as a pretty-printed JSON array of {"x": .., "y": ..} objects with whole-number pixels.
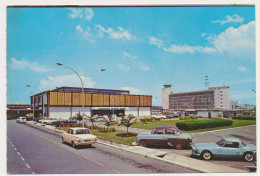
[{"x": 141, "y": 48}]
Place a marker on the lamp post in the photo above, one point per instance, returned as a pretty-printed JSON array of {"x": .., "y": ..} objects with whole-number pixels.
[
  {"x": 42, "y": 96},
  {"x": 33, "y": 105},
  {"x": 82, "y": 83}
]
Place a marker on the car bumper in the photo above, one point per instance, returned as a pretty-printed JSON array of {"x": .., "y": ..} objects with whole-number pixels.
[
  {"x": 85, "y": 143},
  {"x": 194, "y": 153}
]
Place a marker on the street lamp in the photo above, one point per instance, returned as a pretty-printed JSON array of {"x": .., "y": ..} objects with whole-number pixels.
[{"x": 82, "y": 83}]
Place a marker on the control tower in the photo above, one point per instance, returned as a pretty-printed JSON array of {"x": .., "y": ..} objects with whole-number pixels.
[{"x": 166, "y": 91}]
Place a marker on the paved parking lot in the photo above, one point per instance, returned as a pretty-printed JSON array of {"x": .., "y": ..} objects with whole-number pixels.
[{"x": 247, "y": 134}]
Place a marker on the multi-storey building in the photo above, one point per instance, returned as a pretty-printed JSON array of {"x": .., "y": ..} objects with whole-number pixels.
[
  {"x": 65, "y": 102},
  {"x": 213, "y": 98}
]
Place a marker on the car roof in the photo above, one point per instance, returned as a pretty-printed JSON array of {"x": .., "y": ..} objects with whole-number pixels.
[
  {"x": 167, "y": 127},
  {"x": 232, "y": 139}
]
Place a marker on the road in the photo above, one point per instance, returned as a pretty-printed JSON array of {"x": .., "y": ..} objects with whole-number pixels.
[{"x": 32, "y": 151}]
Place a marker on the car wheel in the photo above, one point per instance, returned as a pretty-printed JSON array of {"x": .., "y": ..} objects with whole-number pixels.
[
  {"x": 62, "y": 140},
  {"x": 178, "y": 146},
  {"x": 143, "y": 143},
  {"x": 206, "y": 155},
  {"x": 73, "y": 144},
  {"x": 249, "y": 157}
]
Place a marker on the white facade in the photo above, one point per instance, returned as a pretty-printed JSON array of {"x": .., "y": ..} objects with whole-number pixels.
[
  {"x": 143, "y": 111},
  {"x": 206, "y": 113},
  {"x": 165, "y": 95},
  {"x": 221, "y": 97},
  {"x": 67, "y": 112}
]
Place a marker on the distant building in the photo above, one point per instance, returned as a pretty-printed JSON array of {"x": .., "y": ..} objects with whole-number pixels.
[
  {"x": 65, "y": 102},
  {"x": 213, "y": 98}
]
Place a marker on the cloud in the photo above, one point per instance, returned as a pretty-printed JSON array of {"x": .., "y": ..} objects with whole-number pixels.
[
  {"x": 241, "y": 68},
  {"x": 120, "y": 34},
  {"x": 236, "y": 41},
  {"x": 180, "y": 49},
  {"x": 203, "y": 34},
  {"x": 230, "y": 19},
  {"x": 86, "y": 13},
  {"x": 23, "y": 64},
  {"x": 137, "y": 62},
  {"x": 242, "y": 95},
  {"x": 123, "y": 68},
  {"x": 86, "y": 34},
  {"x": 134, "y": 90},
  {"x": 65, "y": 80},
  {"x": 155, "y": 41}
]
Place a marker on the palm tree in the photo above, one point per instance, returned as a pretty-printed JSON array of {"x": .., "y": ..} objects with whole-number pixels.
[
  {"x": 108, "y": 122},
  {"x": 128, "y": 121}
]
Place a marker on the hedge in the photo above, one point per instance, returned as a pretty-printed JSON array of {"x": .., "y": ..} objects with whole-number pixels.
[
  {"x": 188, "y": 117},
  {"x": 244, "y": 118},
  {"x": 202, "y": 124}
]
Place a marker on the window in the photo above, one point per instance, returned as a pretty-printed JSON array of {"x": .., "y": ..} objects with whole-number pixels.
[
  {"x": 169, "y": 131},
  {"x": 232, "y": 144},
  {"x": 158, "y": 131}
]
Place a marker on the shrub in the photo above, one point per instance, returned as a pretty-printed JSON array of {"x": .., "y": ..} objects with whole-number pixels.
[
  {"x": 202, "y": 124},
  {"x": 244, "y": 118},
  {"x": 145, "y": 120},
  {"x": 188, "y": 117}
]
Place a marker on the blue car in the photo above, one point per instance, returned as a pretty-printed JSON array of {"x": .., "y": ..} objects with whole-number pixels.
[{"x": 228, "y": 147}]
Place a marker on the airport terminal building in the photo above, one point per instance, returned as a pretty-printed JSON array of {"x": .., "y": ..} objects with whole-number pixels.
[
  {"x": 65, "y": 102},
  {"x": 211, "y": 98}
]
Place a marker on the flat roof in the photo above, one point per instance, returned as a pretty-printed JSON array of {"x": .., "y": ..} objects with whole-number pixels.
[
  {"x": 79, "y": 89},
  {"x": 200, "y": 91}
]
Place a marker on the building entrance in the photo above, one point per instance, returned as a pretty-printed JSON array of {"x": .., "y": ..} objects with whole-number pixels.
[{"x": 118, "y": 112}]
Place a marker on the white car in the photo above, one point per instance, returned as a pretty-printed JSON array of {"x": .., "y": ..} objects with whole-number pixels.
[
  {"x": 79, "y": 136},
  {"x": 47, "y": 121},
  {"x": 21, "y": 120}
]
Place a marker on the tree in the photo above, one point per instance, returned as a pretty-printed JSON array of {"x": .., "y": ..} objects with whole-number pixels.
[
  {"x": 128, "y": 121},
  {"x": 78, "y": 116},
  {"x": 108, "y": 122},
  {"x": 92, "y": 119}
]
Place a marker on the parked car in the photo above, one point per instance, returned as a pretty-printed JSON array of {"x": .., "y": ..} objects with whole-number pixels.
[
  {"x": 158, "y": 116},
  {"x": 48, "y": 120},
  {"x": 114, "y": 118},
  {"x": 21, "y": 120},
  {"x": 165, "y": 136},
  {"x": 228, "y": 147},
  {"x": 173, "y": 115},
  {"x": 78, "y": 136}
]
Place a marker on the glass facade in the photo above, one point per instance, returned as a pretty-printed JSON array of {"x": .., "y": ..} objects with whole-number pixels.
[{"x": 192, "y": 100}]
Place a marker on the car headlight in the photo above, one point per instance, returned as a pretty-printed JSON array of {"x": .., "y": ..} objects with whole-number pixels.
[{"x": 78, "y": 140}]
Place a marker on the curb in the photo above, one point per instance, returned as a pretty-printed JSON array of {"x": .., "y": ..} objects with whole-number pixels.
[{"x": 183, "y": 161}]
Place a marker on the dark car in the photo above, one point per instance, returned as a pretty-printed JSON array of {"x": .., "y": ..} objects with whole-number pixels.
[{"x": 165, "y": 136}]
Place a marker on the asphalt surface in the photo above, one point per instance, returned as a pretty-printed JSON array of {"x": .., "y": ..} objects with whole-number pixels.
[{"x": 32, "y": 151}]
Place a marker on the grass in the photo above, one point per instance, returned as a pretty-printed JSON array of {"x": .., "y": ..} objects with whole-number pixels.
[
  {"x": 152, "y": 125},
  {"x": 109, "y": 136}
]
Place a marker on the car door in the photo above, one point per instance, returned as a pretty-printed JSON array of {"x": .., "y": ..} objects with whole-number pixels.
[
  {"x": 157, "y": 137},
  {"x": 170, "y": 137},
  {"x": 230, "y": 150},
  {"x": 67, "y": 136}
]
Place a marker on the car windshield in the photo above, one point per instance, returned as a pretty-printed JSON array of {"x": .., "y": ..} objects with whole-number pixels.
[
  {"x": 221, "y": 142},
  {"x": 243, "y": 143},
  {"x": 82, "y": 131}
]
